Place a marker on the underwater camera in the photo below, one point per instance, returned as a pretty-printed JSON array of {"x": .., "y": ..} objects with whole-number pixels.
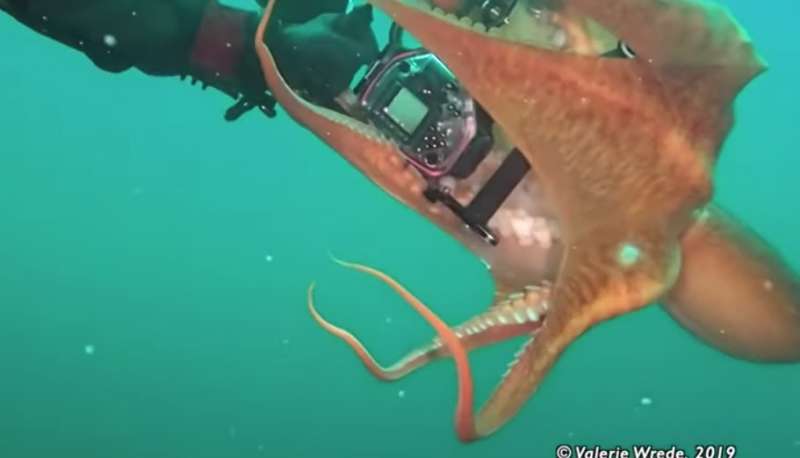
[{"x": 414, "y": 99}]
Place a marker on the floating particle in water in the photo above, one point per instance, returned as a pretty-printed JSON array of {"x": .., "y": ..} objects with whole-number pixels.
[
  {"x": 285, "y": 341},
  {"x": 232, "y": 431},
  {"x": 133, "y": 13},
  {"x": 388, "y": 320},
  {"x": 110, "y": 40},
  {"x": 89, "y": 349},
  {"x": 268, "y": 258},
  {"x": 646, "y": 401},
  {"x": 570, "y": 434},
  {"x": 401, "y": 394},
  {"x": 768, "y": 285},
  {"x": 260, "y": 448}
]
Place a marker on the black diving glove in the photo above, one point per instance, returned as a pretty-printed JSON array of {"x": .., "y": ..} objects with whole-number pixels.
[{"x": 319, "y": 58}]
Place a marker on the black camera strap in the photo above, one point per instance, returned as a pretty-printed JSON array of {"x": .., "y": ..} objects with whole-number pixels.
[{"x": 477, "y": 214}]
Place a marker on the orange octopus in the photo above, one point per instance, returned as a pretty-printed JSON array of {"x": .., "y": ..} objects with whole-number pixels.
[{"x": 622, "y": 153}]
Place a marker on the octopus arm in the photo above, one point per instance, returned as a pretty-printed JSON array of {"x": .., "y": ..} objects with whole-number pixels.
[{"x": 735, "y": 292}]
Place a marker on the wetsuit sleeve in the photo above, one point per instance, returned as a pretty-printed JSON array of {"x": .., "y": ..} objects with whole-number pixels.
[{"x": 199, "y": 39}]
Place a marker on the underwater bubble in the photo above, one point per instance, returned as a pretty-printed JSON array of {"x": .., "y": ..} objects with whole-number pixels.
[
  {"x": 646, "y": 401},
  {"x": 268, "y": 258},
  {"x": 285, "y": 341},
  {"x": 388, "y": 320},
  {"x": 401, "y": 394},
  {"x": 89, "y": 349},
  {"x": 110, "y": 40},
  {"x": 133, "y": 13}
]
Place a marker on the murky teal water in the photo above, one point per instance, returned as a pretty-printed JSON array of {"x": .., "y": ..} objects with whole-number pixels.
[{"x": 154, "y": 261}]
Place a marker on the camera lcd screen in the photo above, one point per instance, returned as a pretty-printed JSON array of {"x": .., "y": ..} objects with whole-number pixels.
[{"x": 407, "y": 110}]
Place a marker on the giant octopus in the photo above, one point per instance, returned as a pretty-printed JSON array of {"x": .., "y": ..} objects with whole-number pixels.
[{"x": 616, "y": 212}]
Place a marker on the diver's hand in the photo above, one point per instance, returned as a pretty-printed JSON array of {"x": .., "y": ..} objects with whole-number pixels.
[{"x": 321, "y": 56}]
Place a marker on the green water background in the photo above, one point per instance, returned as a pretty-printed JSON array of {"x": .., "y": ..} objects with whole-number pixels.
[{"x": 154, "y": 261}]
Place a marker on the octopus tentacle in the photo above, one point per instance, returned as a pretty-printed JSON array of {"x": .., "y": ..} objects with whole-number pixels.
[
  {"x": 521, "y": 314},
  {"x": 735, "y": 291},
  {"x": 463, "y": 417},
  {"x": 396, "y": 371}
]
